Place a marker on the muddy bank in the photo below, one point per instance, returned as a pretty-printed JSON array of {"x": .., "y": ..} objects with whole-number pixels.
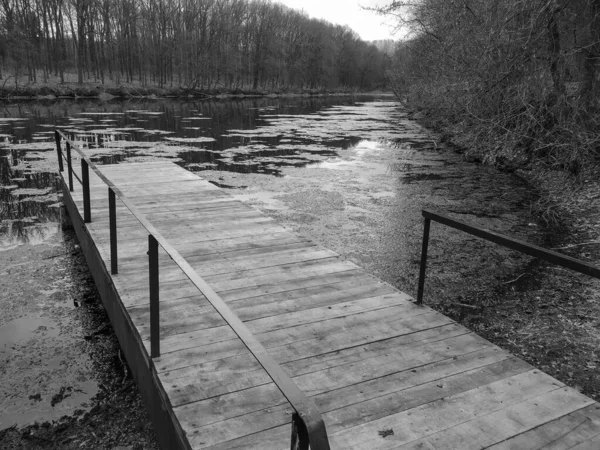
[{"x": 64, "y": 382}]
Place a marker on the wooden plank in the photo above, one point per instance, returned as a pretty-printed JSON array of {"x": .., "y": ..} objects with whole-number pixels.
[
  {"x": 199, "y": 245},
  {"x": 278, "y": 274},
  {"x": 275, "y": 304},
  {"x": 512, "y": 419},
  {"x": 296, "y": 284},
  {"x": 326, "y": 380},
  {"x": 450, "y": 412},
  {"x": 198, "y": 310},
  {"x": 402, "y": 391},
  {"x": 184, "y": 388},
  {"x": 591, "y": 444},
  {"x": 247, "y": 278},
  {"x": 172, "y": 226},
  {"x": 254, "y": 258},
  {"x": 167, "y": 217},
  {"x": 565, "y": 432},
  {"x": 298, "y": 342}
]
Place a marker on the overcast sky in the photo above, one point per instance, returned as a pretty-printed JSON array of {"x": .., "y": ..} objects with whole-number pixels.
[{"x": 368, "y": 25}]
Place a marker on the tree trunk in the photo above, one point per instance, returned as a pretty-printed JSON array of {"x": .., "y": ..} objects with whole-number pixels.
[
  {"x": 590, "y": 64},
  {"x": 556, "y": 61}
]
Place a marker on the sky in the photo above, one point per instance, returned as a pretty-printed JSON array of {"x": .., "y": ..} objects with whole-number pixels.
[{"x": 367, "y": 24}]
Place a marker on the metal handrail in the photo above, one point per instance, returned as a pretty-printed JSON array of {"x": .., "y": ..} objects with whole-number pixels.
[
  {"x": 308, "y": 427},
  {"x": 559, "y": 259}
]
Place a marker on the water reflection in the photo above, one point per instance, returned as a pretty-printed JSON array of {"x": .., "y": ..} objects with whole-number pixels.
[
  {"x": 246, "y": 136},
  {"x": 29, "y": 209}
]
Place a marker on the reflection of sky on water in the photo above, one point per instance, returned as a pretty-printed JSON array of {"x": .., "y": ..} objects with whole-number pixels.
[{"x": 246, "y": 136}]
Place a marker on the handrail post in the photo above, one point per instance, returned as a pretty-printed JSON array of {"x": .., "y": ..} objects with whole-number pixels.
[
  {"x": 85, "y": 178},
  {"x": 308, "y": 429},
  {"x": 299, "y": 433},
  {"x": 154, "y": 298},
  {"x": 58, "y": 151},
  {"x": 426, "y": 226},
  {"x": 112, "y": 219},
  {"x": 69, "y": 166}
]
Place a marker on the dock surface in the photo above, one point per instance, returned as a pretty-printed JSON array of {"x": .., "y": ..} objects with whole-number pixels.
[{"x": 384, "y": 372}]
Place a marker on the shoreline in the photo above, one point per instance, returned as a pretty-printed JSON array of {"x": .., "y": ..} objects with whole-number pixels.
[{"x": 95, "y": 91}]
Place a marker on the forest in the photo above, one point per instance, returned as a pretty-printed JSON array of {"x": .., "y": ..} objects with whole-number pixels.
[
  {"x": 194, "y": 44},
  {"x": 516, "y": 80}
]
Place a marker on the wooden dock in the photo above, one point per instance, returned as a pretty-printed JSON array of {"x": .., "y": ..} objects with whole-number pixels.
[{"x": 383, "y": 372}]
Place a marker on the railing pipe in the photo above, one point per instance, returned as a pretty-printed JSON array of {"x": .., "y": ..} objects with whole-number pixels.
[
  {"x": 300, "y": 439},
  {"x": 423, "y": 267},
  {"x": 58, "y": 151},
  {"x": 85, "y": 176},
  {"x": 69, "y": 166},
  {"x": 550, "y": 256},
  {"x": 154, "y": 297},
  {"x": 112, "y": 219}
]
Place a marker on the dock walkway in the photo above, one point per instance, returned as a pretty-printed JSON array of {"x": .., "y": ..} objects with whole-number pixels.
[{"x": 383, "y": 372}]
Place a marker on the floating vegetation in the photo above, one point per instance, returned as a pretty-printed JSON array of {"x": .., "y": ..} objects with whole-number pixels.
[
  {"x": 12, "y": 119},
  {"x": 108, "y": 131},
  {"x": 154, "y": 132},
  {"x": 31, "y": 191},
  {"x": 149, "y": 113},
  {"x": 30, "y": 146},
  {"x": 191, "y": 140},
  {"x": 102, "y": 113},
  {"x": 122, "y": 144},
  {"x": 51, "y": 197},
  {"x": 203, "y": 166}
]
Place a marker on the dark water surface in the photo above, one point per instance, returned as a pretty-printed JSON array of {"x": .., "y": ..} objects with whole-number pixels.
[{"x": 351, "y": 173}]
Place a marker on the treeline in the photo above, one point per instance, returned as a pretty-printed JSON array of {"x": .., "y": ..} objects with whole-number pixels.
[
  {"x": 517, "y": 79},
  {"x": 199, "y": 44}
]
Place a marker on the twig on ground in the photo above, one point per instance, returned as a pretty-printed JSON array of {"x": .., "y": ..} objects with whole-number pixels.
[
  {"x": 512, "y": 281},
  {"x": 125, "y": 372}
]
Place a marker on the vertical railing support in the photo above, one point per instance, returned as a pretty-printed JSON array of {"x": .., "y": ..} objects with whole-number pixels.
[
  {"x": 154, "y": 298},
  {"x": 299, "y": 434},
  {"x": 85, "y": 180},
  {"x": 423, "y": 261},
  {"x": 58, "y": 151},
  {"x": 112, "y": 220},
  {"x": 69, "y": 166}
]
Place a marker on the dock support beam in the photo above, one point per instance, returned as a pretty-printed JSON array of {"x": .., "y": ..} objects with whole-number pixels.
[
  {"x": 85, "y": 180},
  {"x": 69, "y": 167},
  {"x": 112, "y": 219},
  {"x": 154, "y": 297},
  {"x": 58, "y": 151},
  {"x": 423, "y": 260}
]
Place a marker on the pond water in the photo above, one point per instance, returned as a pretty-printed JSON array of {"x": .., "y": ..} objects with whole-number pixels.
[{"x": 351, "y": 173}]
